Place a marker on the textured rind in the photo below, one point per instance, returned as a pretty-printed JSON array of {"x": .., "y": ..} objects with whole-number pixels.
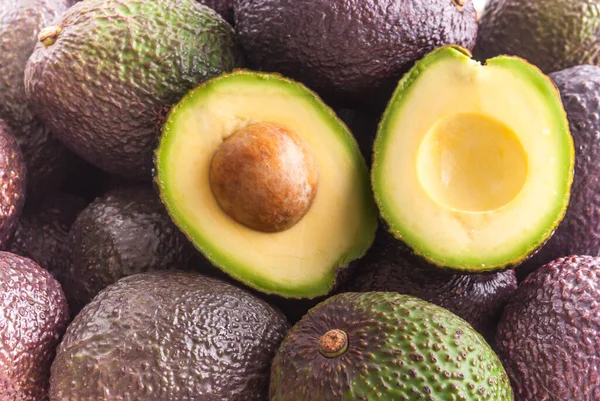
[
  {"x": 349, "y": 49},
  {"x": 223, "y": 7},
  {"x": 124, "y": 232},
  {"x": 548, "y": 335},
  {"x": 46, "y": 157},
  {"x": 400, "y": 348},
  {"x": 13, "y": 184},
  {"x": 33, "y": 316},
  {"x": 578, "y": 234},
  {"x": 42, "y": 231},
  {"x": 169, "y": 336},
  {"x": 477, "y": 298},
  {"x": 552, "y": 34},
  {"x": 115, "y": 69}
]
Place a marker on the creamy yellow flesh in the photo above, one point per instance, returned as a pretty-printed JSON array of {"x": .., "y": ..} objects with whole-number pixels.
[
  {"x": 470, "y": 163},
  {"x": 301, "y": 255}
]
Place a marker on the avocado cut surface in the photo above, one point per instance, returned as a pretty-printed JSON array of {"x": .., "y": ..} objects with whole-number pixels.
[
  {"x": 351, "y": 51},
  {"x": 339, "y": 226},
  {"x": 33, "y": 316},
  {"x": 552, "y": 34},
  {"x": 385, "y": 346},
  {"x": 578, "y": 234},
  {"x": 169, "y": 336},
  {"x": 473, "y": 163},
  {"x": 108, "y": 71},
  {"x": 477, "y": 298},
  {"x": 548, "y": 335}
]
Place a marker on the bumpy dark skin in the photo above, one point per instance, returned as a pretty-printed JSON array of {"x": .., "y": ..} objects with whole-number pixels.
[
  {"x": 47, "y": 159},
  {"x": 42, "y": 231},
  {"x": 110, "y": 110},
  {"x": 13, "y": 184},
  {"x": 350, "y": 50},
  {"x": 552, "y": 34},
  {"x": 578, "y": 233},
  {"x": 548, "y": 336},
  {"x": 125, "y": 232},
  {"x": 479, "y": 299},
  {"x": 169, "y": 336},
  {"x": 223, "y": 7},
  {"x": 33, "y": 316}
]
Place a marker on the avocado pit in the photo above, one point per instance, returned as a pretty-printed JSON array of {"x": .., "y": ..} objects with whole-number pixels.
[
  {"x": 265, "y": 177},
  {"x": 333, "y": 343}
]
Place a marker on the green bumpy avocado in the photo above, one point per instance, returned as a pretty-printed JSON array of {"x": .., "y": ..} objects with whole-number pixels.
[
  {"x": 33, "y": 317},
  {"x": 385, "y": 346},
  {"x": 552, "y": 34},
  {"x": 47, "y": 159},
  {"x": 347, "y": 50},
  {"x": 169, "y": 336},
  {"x": 548, "y": 336},
  {"x": 105, "y": 74}
]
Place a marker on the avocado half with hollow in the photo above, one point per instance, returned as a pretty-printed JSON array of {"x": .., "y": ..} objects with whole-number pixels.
[
  {"x": 267, "y": 183},
  {"x": 473, "y": 163}
]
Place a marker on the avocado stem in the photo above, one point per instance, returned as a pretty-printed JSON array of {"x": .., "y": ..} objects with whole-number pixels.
[
  {"x": 49, "y": 35},
  {"x": 459, "y": 3},
  {"x": 333, "y": 343}
]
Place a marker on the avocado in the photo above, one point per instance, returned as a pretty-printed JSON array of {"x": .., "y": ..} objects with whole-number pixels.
[
  {"x": 578, "y": 234},
  {"x": 33, "y": 317},
  {"x": 548, "y": 335},
  {"x": 477, "y": 298},
  {"x": 349, "y": 51},
  {"x": 552, "y": 34},
  {"x": 169, "y": 336},
  {"x": 124, "y": 232},
  {"x": 134, "y": 59},
  {"x": 47, "y": 159},
  {"x": 385, "y": 346},
  {"x": 473, "y": 163},
  {"x": 223, "y": 7},
  {"x": 267, "y": 183},
  {"x": 43, "y": 229},
  {"x": 13, "y": 183},
  {"x": 363, "y": 125}
]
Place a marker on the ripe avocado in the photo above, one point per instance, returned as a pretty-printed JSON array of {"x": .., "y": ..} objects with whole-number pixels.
[
  {"x": 349, "y": 50},
  {"x": 477, "y": 298},
  {"x": 47, "y": 159},
  {"x": 267, "y": 183},
  {"x": 33, "y": 316},
  {"x": 13, "y": 183},
  {"x": 552, "y": 34},
  {"x": 104, "y": 75},
  {"x": 169, "y": 336},
  {"x": 42, "y": 231},
  {"x": 385, "y": 346},
  {"x": 548, "y": 335},
  {"x": 223, "y": 7},
  {"x": 124, "y": 232},
  {"x": 578, "y": 233},
  {"x": 473, "y": 163}
]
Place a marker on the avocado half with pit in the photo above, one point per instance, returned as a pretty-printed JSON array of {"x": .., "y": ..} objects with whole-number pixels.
[
  {"x": 267, "y": 183},
  {"x": 473, "y": 163}
]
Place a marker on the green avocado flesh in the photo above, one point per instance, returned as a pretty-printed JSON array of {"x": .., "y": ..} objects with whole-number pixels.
[
  {"x": 305, "y": 260},
  {"x": 391, "y": 347},
  {"x": 473, "y": 163}
]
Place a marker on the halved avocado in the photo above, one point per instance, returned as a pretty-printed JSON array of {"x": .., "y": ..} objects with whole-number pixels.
[
  {"x": 473, "y": 163},
  {"x": 267, "y": 183}
]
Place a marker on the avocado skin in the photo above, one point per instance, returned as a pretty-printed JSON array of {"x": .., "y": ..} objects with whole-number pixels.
[
  {"x": 400, "y": 348},
  {"x": 13, "y": 184},
  {"x": 42, "y": 231},
  {"x": 552, "y": 34},
  {"x": 169, "y": 336},
  {"x": 33, "y": 315},
  {"x": 548, "y": 335},
  {"x": 117, "y": 81},
  {"x": 578, "y": 234},
  {"x": 477, "y": 298},
  {"x": 47, "y": 159},
  {"x": 223, "y": 7},
  {"x": 349, "y": 51}
]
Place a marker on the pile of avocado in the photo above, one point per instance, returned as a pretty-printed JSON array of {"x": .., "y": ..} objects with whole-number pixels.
[{"x": 274, "y": 200}]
